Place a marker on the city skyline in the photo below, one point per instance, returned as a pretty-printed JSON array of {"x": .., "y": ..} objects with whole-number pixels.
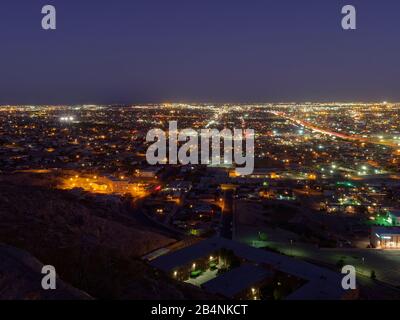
[
  {"x": 322, "y": 194},
  {"x": 207, "y": 103}
]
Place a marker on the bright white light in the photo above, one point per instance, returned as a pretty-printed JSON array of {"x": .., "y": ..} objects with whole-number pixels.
[{"x": 67, "y": 119}]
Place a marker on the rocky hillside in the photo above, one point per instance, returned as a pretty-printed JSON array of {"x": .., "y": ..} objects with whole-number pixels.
[
  {"x": 94, "y": 244},
  {"x": 20, "y": 279}
]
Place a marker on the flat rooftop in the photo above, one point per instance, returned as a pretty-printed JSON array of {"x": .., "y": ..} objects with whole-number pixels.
[
  {"x": 394, "y": 231},
  {"x": 233, "y": 282},
  {"x": 324, "y": 282},
  {"x": 395, "y": 212}
]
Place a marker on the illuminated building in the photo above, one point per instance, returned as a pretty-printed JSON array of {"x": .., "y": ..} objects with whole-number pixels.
[
  {"x": 385, "y": 238},
  {"x": 257, "y": 267},
  {"x": 393, "y": 217}
]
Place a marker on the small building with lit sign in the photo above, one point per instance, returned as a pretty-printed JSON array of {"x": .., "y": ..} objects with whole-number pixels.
[
  {"x": 394, "y": 217},
  {"x": 385, "y": 238}
]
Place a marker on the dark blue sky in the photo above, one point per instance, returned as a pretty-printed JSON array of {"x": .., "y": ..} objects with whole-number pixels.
[{"x": 127, "y": 51}]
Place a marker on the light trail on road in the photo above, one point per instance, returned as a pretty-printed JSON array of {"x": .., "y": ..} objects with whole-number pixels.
[{"x": 314, "y": 128}]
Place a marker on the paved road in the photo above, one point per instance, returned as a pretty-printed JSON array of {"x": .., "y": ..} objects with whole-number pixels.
[
  {"x": 386, "y": 264},
  {"x": 227, "y": 215}
]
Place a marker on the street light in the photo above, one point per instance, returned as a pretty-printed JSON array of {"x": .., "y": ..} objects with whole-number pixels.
[{"x": 291, "y": 247}]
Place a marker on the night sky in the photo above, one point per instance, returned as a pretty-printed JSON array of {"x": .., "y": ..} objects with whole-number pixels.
[{"x": 136, "y": 51}]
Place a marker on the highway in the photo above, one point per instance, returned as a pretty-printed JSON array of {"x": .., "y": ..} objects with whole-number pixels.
[{"x": 343, "y": 136}]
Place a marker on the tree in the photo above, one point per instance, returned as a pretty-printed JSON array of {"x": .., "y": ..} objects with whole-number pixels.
[
  {"x": 262, "y": 236},
  {"x": 340, "y": 264},
  {"x": 229, "y": 259}
]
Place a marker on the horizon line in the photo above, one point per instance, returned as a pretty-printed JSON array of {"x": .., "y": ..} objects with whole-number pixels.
[{"x": 193, "y": 103}]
